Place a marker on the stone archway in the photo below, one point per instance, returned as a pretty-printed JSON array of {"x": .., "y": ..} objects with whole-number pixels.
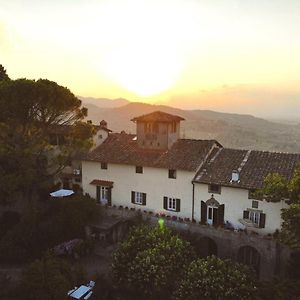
[
  {"x": 206, "y": 247},
  {"x": 249, "y": 256}
]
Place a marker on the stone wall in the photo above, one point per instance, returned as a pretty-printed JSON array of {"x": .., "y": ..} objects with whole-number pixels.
[{"x": 271, "y": 256}]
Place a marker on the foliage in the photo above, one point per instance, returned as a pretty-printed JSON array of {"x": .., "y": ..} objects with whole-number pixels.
[
  {"x": 294, "y": 187},
  {"x": 39, "y": 231},
  {"x": 274, "y": 189},
  {"x": 7, "y": 221},
  {"x": 214, "y": 278},
  {"x": 3, "y": 75},
  {"x": 279, "y": 289},
  {"x": 290, "y": 232},
  {"x": 47, "y": 278},
  {"x": 30, "y": 113},
  {"x": 150, "y": 262}
]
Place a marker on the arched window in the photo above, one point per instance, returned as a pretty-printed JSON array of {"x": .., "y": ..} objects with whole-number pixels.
[{"x": 249, "y": 256}]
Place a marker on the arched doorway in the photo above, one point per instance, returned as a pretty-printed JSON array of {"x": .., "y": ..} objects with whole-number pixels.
[
  {"x": 249, "y": 256},
  {"x": 206, "y": 247}
]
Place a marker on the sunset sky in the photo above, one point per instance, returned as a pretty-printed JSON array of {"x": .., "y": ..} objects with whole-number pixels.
[{"x": 226, "y": 55}]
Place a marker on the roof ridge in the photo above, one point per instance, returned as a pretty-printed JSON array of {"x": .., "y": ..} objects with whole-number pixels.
[{"x": 263, "y": 151}]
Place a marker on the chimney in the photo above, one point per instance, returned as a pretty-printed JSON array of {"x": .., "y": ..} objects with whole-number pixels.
[
  {"x": 103, "y": 124},
  {"x": 235, "y": 176},
  {"x": 89, "y": 121}
]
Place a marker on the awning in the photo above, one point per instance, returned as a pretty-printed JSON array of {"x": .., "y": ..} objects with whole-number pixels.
[
  {"x": 102, "y": 182},
  {"x": 62, "y": 193}
]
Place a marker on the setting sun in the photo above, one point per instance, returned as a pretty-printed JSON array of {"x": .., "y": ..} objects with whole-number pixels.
[{"x": 145, "y": 70}]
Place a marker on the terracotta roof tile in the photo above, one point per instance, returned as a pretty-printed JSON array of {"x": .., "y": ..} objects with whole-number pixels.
[
  {"x": 253, "y": 167},
  {"x": 158, "y": 116},
  {"x": 121, "y": 148},
  {"x": 102, "y": 182}
]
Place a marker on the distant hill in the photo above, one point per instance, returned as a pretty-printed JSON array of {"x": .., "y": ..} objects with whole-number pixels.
[
  {"x": 103, "y": 102},
  {"x": 231, "y": 130}
]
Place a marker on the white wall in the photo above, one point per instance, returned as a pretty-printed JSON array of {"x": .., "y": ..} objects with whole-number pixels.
[
  {"x": 236, "y": 201},
  {"x": 154, "y": 182}
]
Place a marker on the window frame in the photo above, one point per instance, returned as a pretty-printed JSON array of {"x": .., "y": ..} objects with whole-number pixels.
[
  {"x": 139, "y": 171},
  {"x": 138, "y": 198},
  {"x": 171, "y": 204},
  {"x": 255, "y": 204},
  {"x": 212, "y": 191},
  {"x": 254, "y": 217},
  {"x": 104, "y": 166},
  {"x": 172, "y": 173}
]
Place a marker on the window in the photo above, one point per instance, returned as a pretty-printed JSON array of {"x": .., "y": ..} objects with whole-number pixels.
[
  {"x": 172, "y": 204},
  {"x": 103, "y": 165},
  {"x": 138, "y": 198},
  {"x": 254, "y": 204},
  {"x": 214, "y": 188},
  {"x": 139, "y": 169},
  {"x": 254, "y": 217},
  {"x": 172, "y": 174},
  {"x": 100, "y": 136}
]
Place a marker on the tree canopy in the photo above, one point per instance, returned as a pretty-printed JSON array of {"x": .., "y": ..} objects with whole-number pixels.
[
  {"x": 48, "y": 278},
  {"x": 30, "y": 112},
  {"x": 277, "y": 188},
  {"x": 150, "y": 262},
  {"x": 3, "y": 74},
  {"x": 213, "y": 278}
]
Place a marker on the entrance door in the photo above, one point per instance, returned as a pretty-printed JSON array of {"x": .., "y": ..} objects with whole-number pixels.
[
  {"x": 212, "y": 215},
  {"x": 104, "y": 195}
]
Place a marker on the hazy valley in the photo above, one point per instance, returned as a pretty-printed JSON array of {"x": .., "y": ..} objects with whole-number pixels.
[{"x": 231, "y": 130}]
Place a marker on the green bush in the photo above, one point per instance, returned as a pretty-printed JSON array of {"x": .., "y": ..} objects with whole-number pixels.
[
  {"x": 150, "y": 262},
  {"x": 214, "y": 278}
]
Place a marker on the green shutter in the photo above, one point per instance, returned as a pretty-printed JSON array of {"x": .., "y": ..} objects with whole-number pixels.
[
  {"x": 221, "y": 209},
  {"x": 144, "y": 198},
  {"x": 203, "y": 212},
  {"x": 132, "y": 197},
  {"x": 166, "y": 203},
  {"x": 246, "y": 214},
  {"x": 177, "y": 204},
  {"x": 262, "y": 220},
  {"x": 98, "y": 193},
  {"x": 109, "y": 197}
]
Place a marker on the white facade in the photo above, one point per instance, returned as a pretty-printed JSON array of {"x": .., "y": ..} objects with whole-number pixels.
[
  {"x": 157, "y": 185},
  {"x": 155, "y": 182},
  {"x": 236, "y": 202}
]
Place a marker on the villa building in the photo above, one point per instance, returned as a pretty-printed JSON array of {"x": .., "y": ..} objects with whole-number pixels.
[{"x": 157, "y": 171}]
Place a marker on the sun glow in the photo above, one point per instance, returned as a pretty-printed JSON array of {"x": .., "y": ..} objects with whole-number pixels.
[{"x": 145, "y": 70}]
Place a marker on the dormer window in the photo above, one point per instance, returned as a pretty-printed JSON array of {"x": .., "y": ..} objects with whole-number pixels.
[
  {"x": 214, "y": 189},
  {"x": 172, "y": 174}
]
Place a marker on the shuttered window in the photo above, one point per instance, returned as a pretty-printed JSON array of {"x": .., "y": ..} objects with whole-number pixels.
[
  {"x": 171, "y": 204},
  {"x": 138, "y": 198},
  {"x": 256, "y": 217}
]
